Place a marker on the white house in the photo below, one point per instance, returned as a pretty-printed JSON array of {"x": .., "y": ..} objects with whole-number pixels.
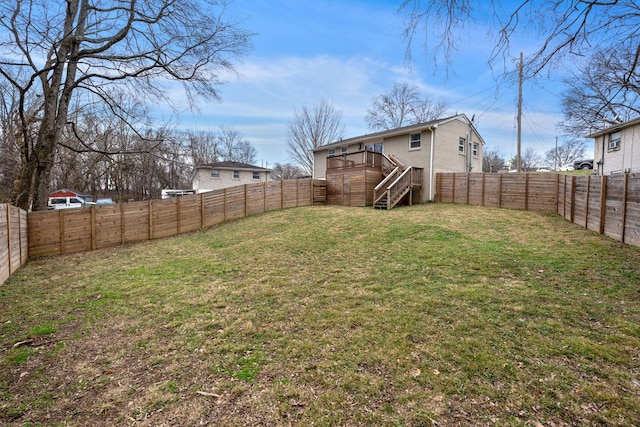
[
  {"x": 450, "y": 144},
  {"x": 617, "y": 148},
  {"x": 215, "y": 176}
]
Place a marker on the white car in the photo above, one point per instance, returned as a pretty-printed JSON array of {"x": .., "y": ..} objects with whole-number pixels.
[
  {"x": 543, "y": 169},
  {"x": 565, "y": 168}
]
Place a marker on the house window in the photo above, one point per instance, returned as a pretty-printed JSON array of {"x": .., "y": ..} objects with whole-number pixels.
[
  {"x": 256, "y": 175},
  {"x": 614, "y": 141},
  {"x": 343, "y": 150},
  {"x": 215, "y": 173},
  {"x": 475, "y": 149},
  {"x": 376, "y": 148},
  {"x": 461, "y": 144},
  {"x": 414, "y": 141},
  {"x": 332, "y": 152},
  {"x": 236, "y": 174}
]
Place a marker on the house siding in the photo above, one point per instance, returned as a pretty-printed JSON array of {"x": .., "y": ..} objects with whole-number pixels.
[
  {"x": 203, "y": 181},
  {"x": 621, "y": 160}
]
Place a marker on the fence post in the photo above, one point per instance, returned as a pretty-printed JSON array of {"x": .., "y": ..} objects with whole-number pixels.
[
  {"x": 453, "y": 189},
  {"x": 122, "y": 224},
  {"x": 24, "y": 236},
  {"x": 8, "y": 239},
  {"x": 526, "y": 191},
  {"x": 624, "y": 206},
  {"x": 264, "y": 196},
  {"x": 19, "y": 235},
  {"x": 500, "y": 190},
  {"x": 573, "y": 199},
  {"x": 564, "y": 196},
  {"x": 246, "y": 200},
  {"x": 282, "y": 194},
  {"x": 468, "y": 184},
  {"x": 557, "y": 194},
  {"x": 483, "y": 189},
  {"x": 586, "y": 203},
  {"x": 311, "y": 192},
  {"x": 603, "y": 203},
  {"x": 224, "y": 205},
  {"x": 93, "y": 228},
  {"x": 61, "y": 225},
  {"x": 201, "y": 210},
  {"x": 178, "y": 209},
  {"x": 150, "y": 219}
]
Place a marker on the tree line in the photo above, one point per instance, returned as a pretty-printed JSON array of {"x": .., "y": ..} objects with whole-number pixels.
[
  {"x": 100, "y": 157},
  {"x": 60, "y": 57}
]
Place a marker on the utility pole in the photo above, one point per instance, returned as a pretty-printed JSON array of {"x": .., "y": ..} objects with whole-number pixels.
[{"x": 520, "y": 78}]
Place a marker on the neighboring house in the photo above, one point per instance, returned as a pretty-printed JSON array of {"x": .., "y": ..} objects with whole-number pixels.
[
  {"x": 450, "y": 144},
  {"x": 617, "y": 148},
  {"x": 214, "y": 176}
]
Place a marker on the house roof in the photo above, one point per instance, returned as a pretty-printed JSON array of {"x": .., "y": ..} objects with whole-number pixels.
[
  {"x": 232, "y": 166},
  {"x": 377, "y": 136},
  {"x": 614, "y": 128},
  {"x": 66, "y": 192}
]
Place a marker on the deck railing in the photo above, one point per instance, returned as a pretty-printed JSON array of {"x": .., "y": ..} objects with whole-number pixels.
[
  {"x": 389, "y": 164},
  {"x": 361, "y": 158}
]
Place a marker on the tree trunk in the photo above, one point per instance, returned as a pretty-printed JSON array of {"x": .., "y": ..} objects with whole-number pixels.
[
  {"x": 33, "y": 177},
  {"x": 42, "y": 178},
  {"x": 20, "y": 195}
]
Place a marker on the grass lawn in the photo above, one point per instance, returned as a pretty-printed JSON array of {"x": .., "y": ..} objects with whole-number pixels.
[{"x": 432, "y": 315}]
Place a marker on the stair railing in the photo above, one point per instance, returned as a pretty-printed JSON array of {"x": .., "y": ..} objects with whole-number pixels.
[
  {"x": 389, "y": 163},
  {"x": 380, "y": 190},
  {"x": 399, "y": 188}
]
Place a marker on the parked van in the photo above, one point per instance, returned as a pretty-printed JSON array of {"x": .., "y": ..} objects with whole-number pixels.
[{"x": 68, "y": 202}]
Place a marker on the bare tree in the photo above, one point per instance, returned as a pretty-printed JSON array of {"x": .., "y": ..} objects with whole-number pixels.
[
  {"x": 235, "y": 148},
  {"x": 492, "y": 160},
  {"x": 9, "y": 148},
  {"x": 286, "y": 171},
  {"x": 531, "y": 159},
  {"x": 605, "y": 89},
  {"x": 570, "y": 151},
  {"x": 60, "y": 49},
  {"x": 402, "y": 105},
  {"x": 311, "y": 128},
  {"x": 203, "y": 147},
  {"x": 567, "y": 28}
]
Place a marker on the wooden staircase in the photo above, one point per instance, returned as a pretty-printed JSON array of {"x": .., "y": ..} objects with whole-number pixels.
[{"x": 399, "y": 182}]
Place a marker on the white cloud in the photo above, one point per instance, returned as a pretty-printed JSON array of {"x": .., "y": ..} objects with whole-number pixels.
[{"x": 260, "y": 103}]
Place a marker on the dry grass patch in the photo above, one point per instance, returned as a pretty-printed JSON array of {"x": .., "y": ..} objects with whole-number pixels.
[{"x": 429, "y": 315}]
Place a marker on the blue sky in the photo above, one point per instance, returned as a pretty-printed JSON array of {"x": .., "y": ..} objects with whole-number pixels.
[{"x": 348, "y": 52}]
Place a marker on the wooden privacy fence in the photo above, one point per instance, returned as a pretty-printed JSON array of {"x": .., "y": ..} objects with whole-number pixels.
[
  {"x": 609, "y": 205},
  {"x": 74, "y": 230},
  {"x": 13, "y": 240}
]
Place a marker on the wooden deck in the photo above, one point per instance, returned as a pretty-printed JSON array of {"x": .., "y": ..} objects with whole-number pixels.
[{"x": 366, "y": 178}]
